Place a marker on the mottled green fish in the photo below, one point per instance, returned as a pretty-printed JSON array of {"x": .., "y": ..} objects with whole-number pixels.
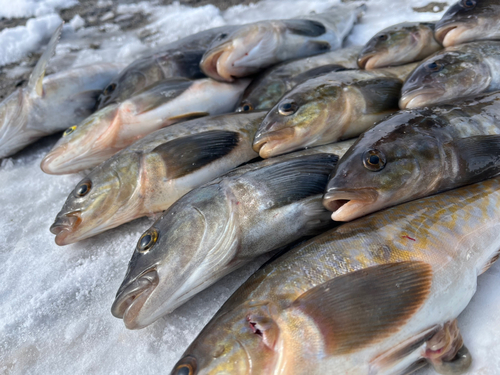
[
  {"x": 415, "y": 153},
  {"x": 217, "y": 228},
  {"x": 376, "y": 296},
  {"x": 399, "y": 44}
]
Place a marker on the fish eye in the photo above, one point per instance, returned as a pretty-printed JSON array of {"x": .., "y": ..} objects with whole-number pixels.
[
  {"x": 110, "y": 88},
  {"x": 383, "y": 37},
  {"x": 287, "y": 108},
  {"x": 469, "y": 4},
  {"x": 374, "y": 160},
  {"x": 222, "y": 36},
  {"x": 69, "y": 131},
  {"x": 434, "y": 67},
  {"x": 147, "y": 240},
  {"x": 186, "y": 366},
  {"x": 247, "y": 107},
  {"x": 82, "y": 189}
]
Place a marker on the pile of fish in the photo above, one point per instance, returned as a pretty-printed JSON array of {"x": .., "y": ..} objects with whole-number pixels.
[{"x": 241, "y": 140}]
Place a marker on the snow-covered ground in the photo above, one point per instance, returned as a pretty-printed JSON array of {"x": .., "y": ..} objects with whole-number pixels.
[{"x": 55, "y": 301}]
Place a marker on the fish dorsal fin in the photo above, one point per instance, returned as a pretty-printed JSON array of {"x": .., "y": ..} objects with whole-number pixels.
[
  {"x": 303, "y": 27},
  {"x": 363, "y": 307},
  {"x": 187, "y": 154},
  {"x": 381, "y": 94},
  {"x": 316, "y": 72},
  {"x": 296, "y": 179},
  {"x": 35, "y": 83}
]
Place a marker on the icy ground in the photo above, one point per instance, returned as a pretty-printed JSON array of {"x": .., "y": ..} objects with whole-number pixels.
[{"x": 55, "y": 301}]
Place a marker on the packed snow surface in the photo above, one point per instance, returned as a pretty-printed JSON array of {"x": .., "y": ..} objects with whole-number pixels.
[{"x": 55, "y": 301}]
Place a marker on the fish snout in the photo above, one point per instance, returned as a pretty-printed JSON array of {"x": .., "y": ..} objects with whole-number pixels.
[
  {"x": 51, "y": 163},
  {"x": 64, "y": 225},
  {"x": 212, "y": 65},
  {"x": 266, "y": 142},
  {"x": 417, "y": 97},
  {"x": 348, "y": 204},
  {"x": 442, "y": 32}
]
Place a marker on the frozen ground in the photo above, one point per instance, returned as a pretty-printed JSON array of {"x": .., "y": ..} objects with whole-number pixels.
[{"x": 55, "y": 301}]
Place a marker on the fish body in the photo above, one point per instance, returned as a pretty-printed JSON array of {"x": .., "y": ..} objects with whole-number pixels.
[
  {"x": 151, "y": 174},
  {"x": 117, "y": 126},
  {"x": 47, "y": 104},
  {"x": 375, "y": 296},
  {"x": 269, "y": 86},
  {"x": 467, "y": 21},
  {"x": 453, "y": 73},
  {"x": 253, "y": 47},
  {"x": 416, "y": 153},
  {"x": 177, "y": 59},
  {"x": 220, "y": 226},
  {"x": 331, "y": 107},
  {"x": 399, "y": 44}
]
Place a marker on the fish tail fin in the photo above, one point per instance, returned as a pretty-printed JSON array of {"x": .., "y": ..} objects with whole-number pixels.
[{"x": 36, "y": 77}]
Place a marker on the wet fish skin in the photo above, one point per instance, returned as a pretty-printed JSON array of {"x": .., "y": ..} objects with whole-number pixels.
[
  {"x": 416, "y": 153},
  {"x": 468, "y": 21},
  {"x": 290, "y": 317},
  {"x": 47, "y": 104},
  {"x": 256, "y": 46},
  {"x": 269, "y": 86},
  {"x": 399, "y": 44},
  {"x": 453, "y": 73},
  {"x": 218, "y": 227},
  {"x": 177, "y": 59},
  {"x": 151, "y": 174},
  {"x": 117, "y": 126},
  {"x": 329, "y": 108}
]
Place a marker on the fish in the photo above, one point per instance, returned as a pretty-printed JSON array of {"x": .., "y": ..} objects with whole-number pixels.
[
  {"x": 220, "y": 226},
  {"x": 468, "y": 21},
  {"x": 270, "y": 85},
  {"x": 415, "y": 153},
  {"x": 454, "y": 73},
  {"x": 379, "y": 295},
  {"x": 117, "y": 126},
  {"x": 177, "y": 59},
  {"x": 256, "y": 46},
  {"x": 399, "y": 44},
  {"x": 329, "y": 108},
  {"x": 150, "y": 175},
  {"x": 47, "y": 104}
]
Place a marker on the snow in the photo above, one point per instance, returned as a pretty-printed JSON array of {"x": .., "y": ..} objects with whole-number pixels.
[
  {"x": 28, "y": 8},
  {"x": 55, "y": 301}
]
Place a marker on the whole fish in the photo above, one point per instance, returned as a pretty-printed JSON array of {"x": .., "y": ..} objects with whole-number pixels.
[
  {"x": 334, "y": 106},
  {"x": 253, "y": 47},
  {"x": 415, "y": 153},
  {"x": 270, "y": 85},
  {"x": 376, "y": 296},
  {"x": 117, "y": 126},
  {"x": 469, "y": 20},
  {"x": 177, "y": 59},
  {"x": 150, "y": 175},
  {"x": 453, "y": 73},
  {"x": 46, "y": 105},
  {"x": 216, "y": 228},
  {"x": 399, "y": 44}
]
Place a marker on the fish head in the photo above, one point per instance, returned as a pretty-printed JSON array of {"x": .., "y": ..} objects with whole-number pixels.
[
  {"x": 383, "y": 167},
  {"x": 240, "y": 53},
  {"x": 262, "y": 95},
  {"x": 395, "y": 45},
  {"x": 97, "y": 202},
  {"x": 242, "y": 340},
  {"x": 185, "y": 251},
  {"x": 468, "y": 20},
  {"x": 444, "y": 76},
  {"x": 82, "y": 146},
  {"x": 292, "y": 123}
]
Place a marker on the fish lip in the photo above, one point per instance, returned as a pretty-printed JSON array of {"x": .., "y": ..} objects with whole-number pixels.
[
  {"x": 343, "y": 202},
  {"x": 132, "y": 296},
  {"x": 210, "y": 64},
  {"x": 47, "y": 162},
  {"x": 441, "y": 33},
  {"x": 415, "y": 97},
  {"x": 364, "y": 59},
  {"x": 64, "y": 225},
  {"x": 264, "y": 143}
]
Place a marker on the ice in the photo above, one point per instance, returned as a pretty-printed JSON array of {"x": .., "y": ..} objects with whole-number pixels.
[
  {"x": 28, "y": 8},
  {"x": 55, "y": 301}
]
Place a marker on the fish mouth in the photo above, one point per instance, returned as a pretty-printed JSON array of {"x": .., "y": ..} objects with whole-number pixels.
[
  {"x": 273, "y": 143},
  {"x": 212, "y": 64},
  {"x": 64, "y": 225},
  {"x": 49, "y": 163},
  {"x": 349, "y": 204},
  {"x": 448, "y": 35},
  {"x": 368, "y": 61},
  {"x": 131, "y": 298},
  {"x": 420, "y": 98}
]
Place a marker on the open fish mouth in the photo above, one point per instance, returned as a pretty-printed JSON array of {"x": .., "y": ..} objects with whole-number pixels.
[
  {"x": 420, "y": 98},
  {"x": 64, "y": 225},
  {"x": 268, "y": 143},
  {"x": 212, "y": 64},
  {"x": 368, "y": 61},
  {"x": 349, "y": 204},
  {"x": 131, "y": 298}
]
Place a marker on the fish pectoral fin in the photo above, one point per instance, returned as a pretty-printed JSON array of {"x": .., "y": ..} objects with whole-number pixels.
[
  {"x": 303, "y": 27},
  {"x": 188, "y": 116},
  {"x": 160, "y": 93},
  {"x": 363, "y": 307},
  {"x": 316, "y": 46},
  {"x": 296, "y": 179},
  {"x": 381, "y": 94},
  {"x": 35, "y": 83},
  {"x": 188, "y": 154}
]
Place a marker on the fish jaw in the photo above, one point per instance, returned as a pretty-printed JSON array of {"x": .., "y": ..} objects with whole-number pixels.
[
  {"x": 64, "y": 226},
  {"x": 420, "y": 97},
  {"x": 369, "y": 61},
  {"x": 349, "y": 204},
  {"x": 273, "y": 143},
  {"x": 211, "y": 66},
  {"x": 131, "y": 298}
]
